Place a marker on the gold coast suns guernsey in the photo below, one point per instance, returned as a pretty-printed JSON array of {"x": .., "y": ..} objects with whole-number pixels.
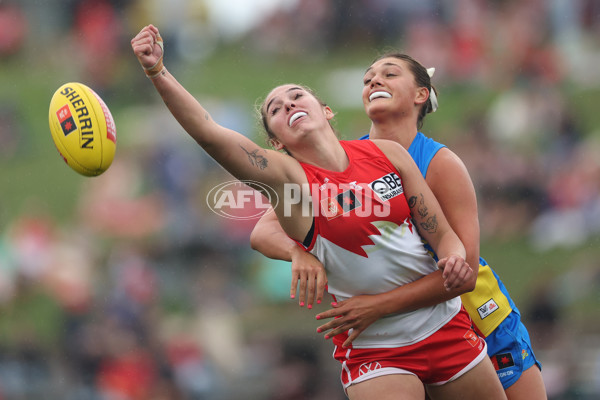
[
  {"x": 490, "y": 303},
  {"x": 364, "y": 235}
]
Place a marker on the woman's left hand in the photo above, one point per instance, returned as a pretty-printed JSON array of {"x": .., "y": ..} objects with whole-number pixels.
[{"x": 456, "y": 271}]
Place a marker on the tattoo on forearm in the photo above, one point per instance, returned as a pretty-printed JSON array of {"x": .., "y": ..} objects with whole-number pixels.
[
  {"x": 256, "y": 159},
  {"x": 206, "y": 116},
  {"x": 430, "y": 224},
  {"x": 421, "y": 208},
  {"x": 412, "y": 201}
]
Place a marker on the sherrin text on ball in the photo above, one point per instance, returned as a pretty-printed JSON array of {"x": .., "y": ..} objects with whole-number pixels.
[{"x": 83, "y": 129}]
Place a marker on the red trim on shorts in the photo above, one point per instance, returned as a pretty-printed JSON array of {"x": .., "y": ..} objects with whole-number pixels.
[{"x": 444, "y": 356}]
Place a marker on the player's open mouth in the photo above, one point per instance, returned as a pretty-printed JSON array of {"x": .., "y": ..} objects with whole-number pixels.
[
  {"x": 297, "y": 115},
  {"x": 379, "y": 94}
]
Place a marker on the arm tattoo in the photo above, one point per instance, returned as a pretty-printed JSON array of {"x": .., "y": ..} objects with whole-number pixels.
[
  {"x": 422, "y": 208},
  {"x": 412, "y": 201},
  {"x": 256, "y": 159},
  {"x": 206, "y": 116},
  {"x": 430, "y": 224}
]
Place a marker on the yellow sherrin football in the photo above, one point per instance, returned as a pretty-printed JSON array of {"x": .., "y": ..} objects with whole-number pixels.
[{"x": 83, "y": 129}]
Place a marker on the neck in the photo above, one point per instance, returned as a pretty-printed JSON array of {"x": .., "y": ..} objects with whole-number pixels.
[
  {"x": 327, "y": 154},
  {"x": 402, "y": 131}
]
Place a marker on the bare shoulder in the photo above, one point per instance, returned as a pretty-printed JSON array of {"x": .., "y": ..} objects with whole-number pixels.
[
  {"x": 392, "y": 150},
  {"x": 447, "y": 164},
  {"x": 448, "y": 178},
  {"x": 446, "y": 157}
]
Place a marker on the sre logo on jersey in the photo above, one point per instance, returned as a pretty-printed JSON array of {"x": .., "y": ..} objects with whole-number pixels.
[{"x": 387, "y": 187}]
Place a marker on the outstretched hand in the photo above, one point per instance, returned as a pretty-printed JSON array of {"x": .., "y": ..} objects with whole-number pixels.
[
  {"x": 148, "y": 48},
  {"x": 356, "y": 313},
  {"x": 456, "y": 271}
]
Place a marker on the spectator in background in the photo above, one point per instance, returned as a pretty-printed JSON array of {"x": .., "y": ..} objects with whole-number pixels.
[
  {"x": 97, "y": 30},
  {"x": 13, "y": 28}
]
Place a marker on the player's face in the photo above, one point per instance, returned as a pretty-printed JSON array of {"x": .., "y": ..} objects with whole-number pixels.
[
  {"x": 291, "y": 112},
  {"x": 388, "y": 86}
]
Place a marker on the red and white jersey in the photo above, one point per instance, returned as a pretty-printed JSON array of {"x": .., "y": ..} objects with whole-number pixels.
[{"x": 364, "y": 235}]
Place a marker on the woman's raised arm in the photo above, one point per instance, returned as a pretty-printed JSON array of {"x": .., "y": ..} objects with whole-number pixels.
[{"x": 243, "y": 158}]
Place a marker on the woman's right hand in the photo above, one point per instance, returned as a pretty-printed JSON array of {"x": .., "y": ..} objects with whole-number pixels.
[
  {"x": 356, "y": 313},
  {"x": 310, "y": 273},
  {"x": 147, "y": 47}
]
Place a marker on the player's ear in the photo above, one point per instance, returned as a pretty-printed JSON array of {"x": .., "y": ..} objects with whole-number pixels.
[
  {"x": 329, "y": 114},
  {"x": 421, "y": 95},
  {"x": 276, "y": 144}
]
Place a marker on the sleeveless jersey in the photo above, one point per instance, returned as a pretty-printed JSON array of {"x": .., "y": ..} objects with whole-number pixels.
[
  {"x": 364, "y": 235},
  {"x": 489, "y": 303}
]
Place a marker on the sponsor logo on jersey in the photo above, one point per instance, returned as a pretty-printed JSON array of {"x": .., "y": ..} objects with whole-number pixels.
[
  {"x": 502, "y": 361},
  {"x": 324, "y": 185},
  {"x": 368, "y": 367},
  {"x": 333, "y": 207},
  {"x": 66, "y": 120},
  {"x": 486, "y": 309},
  {"x": 387, "y": 187}
]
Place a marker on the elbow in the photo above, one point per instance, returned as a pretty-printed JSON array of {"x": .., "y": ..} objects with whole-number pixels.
[
  {"x": 464, "y": 288},
  {"x": 254, "y": 241},
  {"x": 469, "y": 286}
]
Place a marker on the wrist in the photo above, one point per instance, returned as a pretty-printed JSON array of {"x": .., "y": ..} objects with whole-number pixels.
[
  {"x": 385, "y": 305},
  {"x": 161, "y": 72},
  {"x": 295, "y": 249}
]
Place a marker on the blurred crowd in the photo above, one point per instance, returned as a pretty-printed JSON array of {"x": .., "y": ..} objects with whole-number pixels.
[{"x": 153, "y": 296}]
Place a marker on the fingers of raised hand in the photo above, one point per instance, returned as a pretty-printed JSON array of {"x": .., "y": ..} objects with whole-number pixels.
[
  {"x": 143, "y": 46},
  {"x": 147, "y": 46}
]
